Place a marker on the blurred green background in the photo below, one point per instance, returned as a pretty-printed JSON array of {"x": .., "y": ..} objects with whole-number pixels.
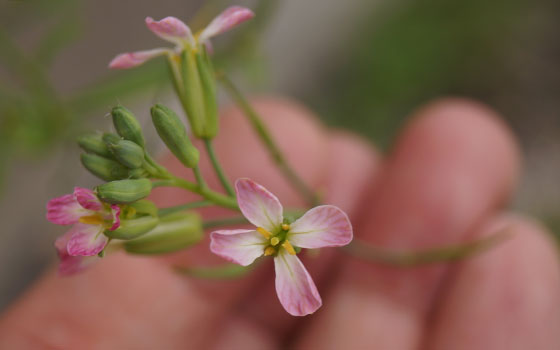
[{"x": 362, "y": 65}]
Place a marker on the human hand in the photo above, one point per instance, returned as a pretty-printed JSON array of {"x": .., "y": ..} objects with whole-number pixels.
[{"x": 445, "y": 181}]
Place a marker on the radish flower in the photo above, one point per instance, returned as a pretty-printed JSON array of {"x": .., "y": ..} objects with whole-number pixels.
[
  {"x": 89, "y": 217},
  {"x": 322, "y": 226},
  {"x": 175, "y": 31}
]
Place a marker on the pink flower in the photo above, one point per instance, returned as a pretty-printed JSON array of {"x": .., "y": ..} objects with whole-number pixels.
[
  {"x": 174, "y": 30},
  {"x": 89, "y": 217},
  {"x": 322, "y": 226}
]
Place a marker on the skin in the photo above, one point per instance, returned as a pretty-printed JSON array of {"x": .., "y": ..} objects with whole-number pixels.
[{"x": 446, "y": 180}]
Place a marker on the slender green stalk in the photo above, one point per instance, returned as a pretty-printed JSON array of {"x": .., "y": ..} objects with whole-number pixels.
[
  {"x": 367, "y": 252},
  {"x": 207, "y": 193},
  {"x": 224, "y": 222},
  {"x": 226, "y": 271},
  {"x": 186, "y": 206},
  {"x": 257, "y": 123},
  {"x": 199, "y": 179},
  {"x": 218, "y": 168}
]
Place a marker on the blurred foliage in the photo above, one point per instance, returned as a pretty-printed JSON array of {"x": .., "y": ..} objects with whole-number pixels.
[{"x": 409, "y": 52}]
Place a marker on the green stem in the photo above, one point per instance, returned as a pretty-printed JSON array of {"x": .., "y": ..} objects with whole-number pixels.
[
  {"x": 257, "y": 123},
  {"x": 367, "y": 252},
  {"x": 219, "y": 272},
  {"x": 215, "y": 197},
  {"x": 224, "y": 222},
  {"x": 186, "y": 206},
  {"x": 199, "y": 179},
  {"x": 218, "y": 168}
]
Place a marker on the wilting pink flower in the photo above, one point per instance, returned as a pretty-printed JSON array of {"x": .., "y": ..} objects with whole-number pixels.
[
  {"x": 89, "y": 217},
  {"x": 322, "y": 226},
  {"x": 174, "y": 30}
]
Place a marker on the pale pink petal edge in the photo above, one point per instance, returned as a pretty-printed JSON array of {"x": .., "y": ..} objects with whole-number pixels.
[{"x": 322, "y": 226}]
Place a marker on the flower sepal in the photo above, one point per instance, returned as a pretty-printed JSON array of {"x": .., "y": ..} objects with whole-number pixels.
[{"x": 133, "y": 228}]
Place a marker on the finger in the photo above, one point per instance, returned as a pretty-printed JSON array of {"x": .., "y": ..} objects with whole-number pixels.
[
  {"x": 351, "y": 166},
  {"x": 505, "y": 299},
  {"x": 140, "y": 303},
  {"x": 452, "y": 166}
]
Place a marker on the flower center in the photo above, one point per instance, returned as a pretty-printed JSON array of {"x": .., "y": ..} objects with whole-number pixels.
[
  {"x": 94, "y": 219},
  {"x": 275, "y": 241}
]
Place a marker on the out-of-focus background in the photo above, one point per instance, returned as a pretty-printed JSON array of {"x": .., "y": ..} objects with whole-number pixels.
[{"x": 360, "y": 64}]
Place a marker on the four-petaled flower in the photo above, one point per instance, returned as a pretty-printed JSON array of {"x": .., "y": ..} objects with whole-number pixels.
[
  {"x": 90, "y": 218},
  {"x": 322, "y": 226},
  {"x": 175, "y": 31}
]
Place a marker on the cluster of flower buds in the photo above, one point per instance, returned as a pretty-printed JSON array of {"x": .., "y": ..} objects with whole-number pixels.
[{"x": 116, "y": 215}]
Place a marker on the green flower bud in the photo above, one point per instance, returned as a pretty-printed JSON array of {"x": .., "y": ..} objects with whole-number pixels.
[
  {"x": 127, "y": 125},
  {"x": 110, "y": 139},
  {"x": 134, "y": 228},
  {"x": 103, "y": 168},
  {"x": 172, "y": 131},
  {"x": 93, "y": 143},
  {"x": 209, "y": 94},
  {"x": 128, "y": 153},
  {"x": 193, "y": 100},
  {"x": 124, "y": 191},
  {"x": 144, "y": 207},
  {"x": 174, "y": 232},
  {"x": 139, "y": 173}
]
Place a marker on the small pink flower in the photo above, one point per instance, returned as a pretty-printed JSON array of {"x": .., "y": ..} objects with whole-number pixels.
[
  {"x": 89, "y": 217},
  {"x": 174, "y": 30},
  {"x": 322, "y": 226}
]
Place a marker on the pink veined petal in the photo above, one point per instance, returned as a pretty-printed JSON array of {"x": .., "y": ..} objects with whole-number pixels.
[
  {"x": 238, "y": 246},
  {"x": 115, "y": 213},
  {"x": 86, "y": 240},
  {"x": 68, "y": 264},
  {"x": 65, "y": 210},
  {"x": 322, "y": 226},
  {"x": 171, "y": 29},
  {"x": 133, "y": 59},
  {"x": 258, "y": 205},
  {"x": 296, "y": 290},
  {"x": 226, "y": 20},
  {"x": 87, "y": 199}
]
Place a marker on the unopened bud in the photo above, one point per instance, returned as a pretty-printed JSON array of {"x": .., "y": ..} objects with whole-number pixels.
[
  {"x": 208, "y": 86},
  {"x": 103, "y": 168},
  {"x": 128, "y": 153},
  {"x": 127, "y": 125},
  {"x": 172, "y": 131},
  {"x": 124, "y": 191},
  {"x": 193, "y": 100},
  {"x": 145, "y": 207},
  {"x": 133, "y": 228},
  {"x": 110, "y": 139},
  {"x": 93, "y": 143},
  {"x": 174, "y": 232}
]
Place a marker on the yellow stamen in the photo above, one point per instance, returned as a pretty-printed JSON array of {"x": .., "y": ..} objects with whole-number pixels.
[
  {"x": 274, "y": 241},
  {"x": 285, "y": 227},
  {"x": 289, "y": 247},
  {"x": 264, "y": 232},
  {"x": 269, "y": 251},
  {"x": 95, "y": 219}
]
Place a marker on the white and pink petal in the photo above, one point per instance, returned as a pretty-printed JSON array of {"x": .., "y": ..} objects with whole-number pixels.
[
  {"x": 86, "y": 240},
  {"x": 238, "y": 246},
  {"x": 225, "y": 21},
  {"x": 133, "y": 59},
  {"x": 322, "y": 226},
  {"x": 65, "y": 210},
  {"x": 115, "y": 216},
  {"x": 87, "y": 199},
  {"x": 258, "y": 205},
  {"x": 296, "y": 290},
  {"x": 171, "y": 29}
]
